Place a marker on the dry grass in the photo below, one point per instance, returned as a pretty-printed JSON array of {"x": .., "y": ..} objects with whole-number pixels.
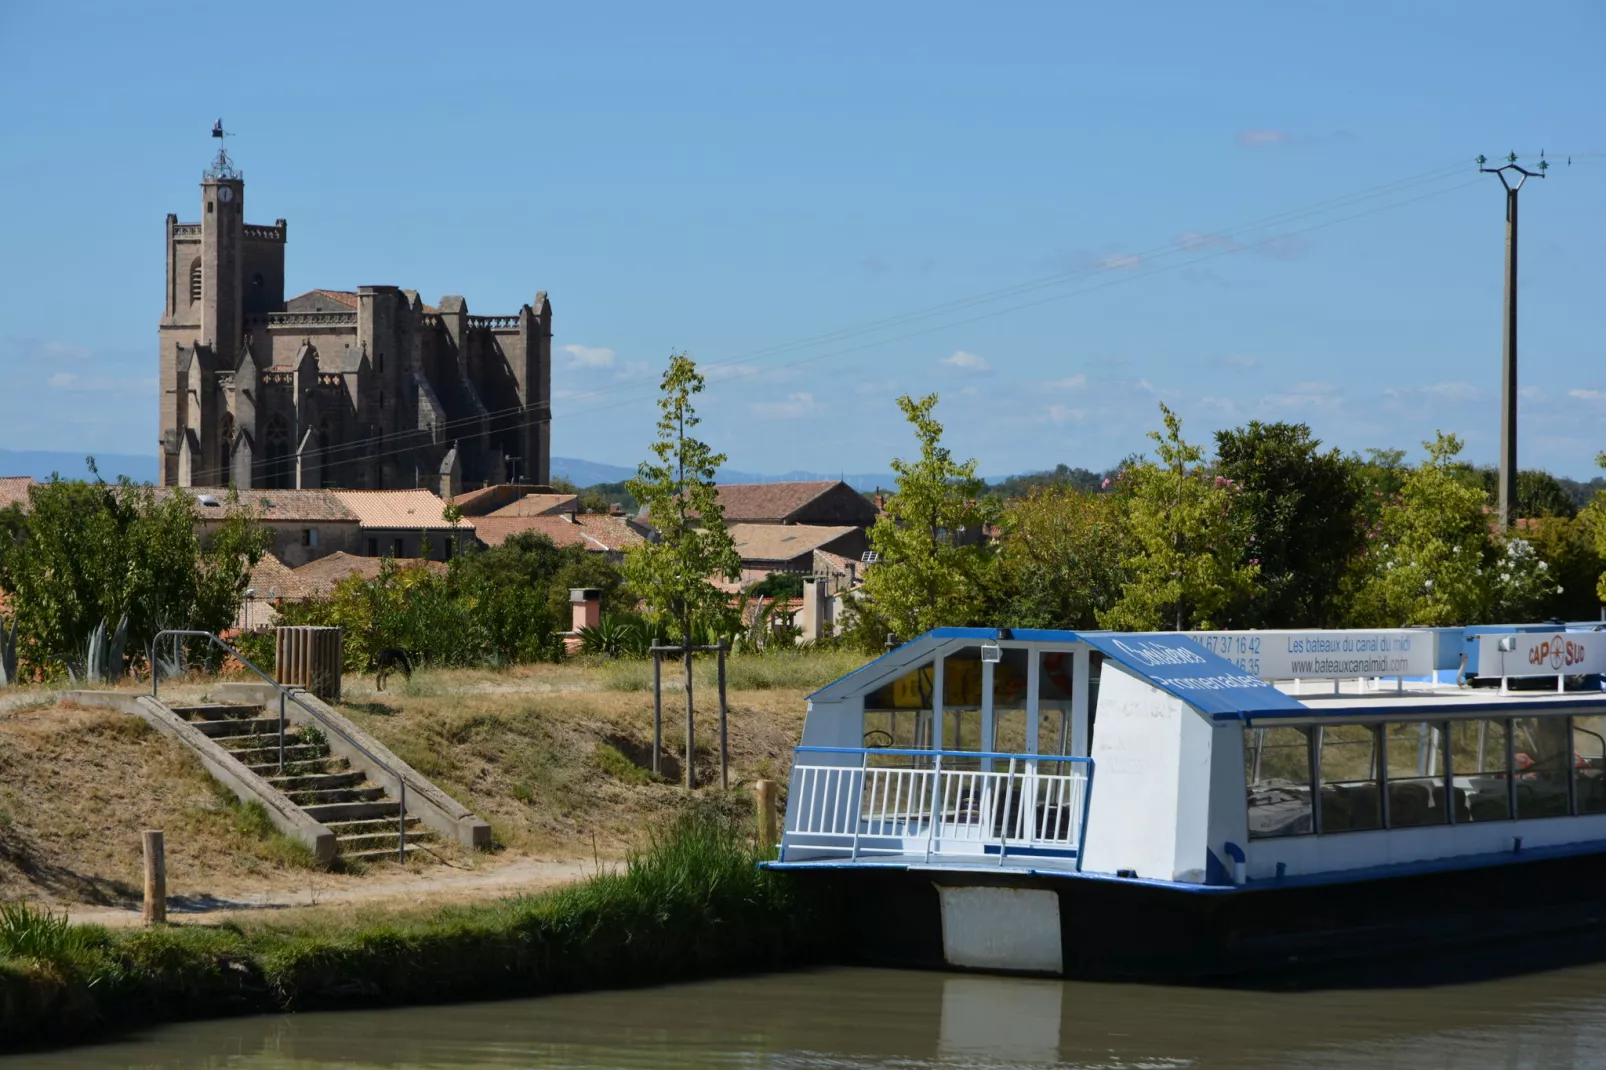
[
  {"x": 554, "y": 755},
  {"x": 77, "y": 786}
]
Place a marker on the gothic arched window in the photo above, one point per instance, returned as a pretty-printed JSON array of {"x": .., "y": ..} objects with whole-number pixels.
[
  {"x": 276, "y": 445},
  {"x": 195, "y": 280},
  {"x": 225, "y": 450}
]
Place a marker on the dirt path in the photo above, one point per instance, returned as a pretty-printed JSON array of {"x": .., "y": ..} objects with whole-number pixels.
[{"x": 440, "y": 884}]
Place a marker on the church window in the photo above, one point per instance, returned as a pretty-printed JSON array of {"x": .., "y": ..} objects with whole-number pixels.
[
  {"x": 225, "y": 449},
  {"x": 276, "y": 439},
  {"x": 195, "y": 280}
]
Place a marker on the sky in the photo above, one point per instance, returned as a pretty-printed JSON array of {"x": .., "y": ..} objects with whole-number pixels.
[{"x": 1057, "y": 216}]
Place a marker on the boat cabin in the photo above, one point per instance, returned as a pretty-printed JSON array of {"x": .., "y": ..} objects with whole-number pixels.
[{"x": 1204, "y": 761}]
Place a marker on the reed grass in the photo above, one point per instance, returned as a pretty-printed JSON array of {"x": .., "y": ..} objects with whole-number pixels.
[
  {"x": 783, "y": 670},
  {"x": 690, "y": 903}
]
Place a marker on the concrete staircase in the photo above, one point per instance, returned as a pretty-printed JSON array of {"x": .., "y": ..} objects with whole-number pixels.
[{"x": 364, "y": 816}]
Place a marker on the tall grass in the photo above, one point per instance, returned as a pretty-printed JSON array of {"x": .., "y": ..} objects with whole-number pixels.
[
  {"x": 803, "y": 671},
  {"x": 690, "y": 903}
]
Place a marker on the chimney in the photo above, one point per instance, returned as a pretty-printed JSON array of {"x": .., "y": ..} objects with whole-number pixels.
[
  {"x": 880, "y": 501},
  {"x": 587, "y": 605}
]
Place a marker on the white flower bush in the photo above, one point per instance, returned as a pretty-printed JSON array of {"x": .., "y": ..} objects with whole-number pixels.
[{"x": 1522, "y": 584}]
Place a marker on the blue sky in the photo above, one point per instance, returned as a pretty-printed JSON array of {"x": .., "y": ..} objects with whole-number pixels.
[{"x": 757, "y": 184}]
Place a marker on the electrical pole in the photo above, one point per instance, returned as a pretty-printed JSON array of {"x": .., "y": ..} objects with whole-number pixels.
[{"x": 1508, "y": 364}]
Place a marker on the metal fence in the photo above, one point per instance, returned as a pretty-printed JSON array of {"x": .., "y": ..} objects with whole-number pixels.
[{"x": 933, "y": 804}]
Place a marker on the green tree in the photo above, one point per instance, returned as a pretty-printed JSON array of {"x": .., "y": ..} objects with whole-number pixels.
[
  {"x": 1568, "y": 546},
  {"x": 86, "y": 552},
  {"x": 1426, "y": 566},
  {"x": 1188, "y": 565},
  {"x": 934, "y": 565},
  {"x": 1061, "y": 558},
  {"x": 1301, "y": 509},
  {"x": 672, "y": 573},
  {"x": 1595, "y": 517},
  {"x": 1539, "y": 494}
]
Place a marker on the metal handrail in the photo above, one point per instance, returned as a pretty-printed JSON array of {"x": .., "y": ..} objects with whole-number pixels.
[{"x": 288, "y": 692}]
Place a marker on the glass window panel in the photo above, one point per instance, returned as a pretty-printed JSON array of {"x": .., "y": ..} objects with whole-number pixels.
[
  {"x": 1351, "y": 798},
  {"x": 1478, "y": 762},
  {"x": 1589, "y": 758},
  {"x": 1009, "y": 702},
  {"x": 1541, "y": 765},
  {"x": 1277, "y": 773},
  {"x": 1416, "y": 773},
  {"x": 1054, "y": 686}
]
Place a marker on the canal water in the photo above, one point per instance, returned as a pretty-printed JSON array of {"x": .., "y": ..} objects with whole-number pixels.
[{"x": 847, "y": 1019}]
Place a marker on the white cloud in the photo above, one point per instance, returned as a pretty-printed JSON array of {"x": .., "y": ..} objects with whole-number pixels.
[
  {"x": 1239, "y": 361},
  {"x": 1116, "y": 261},
  {"x": 875, "y": 386},
  {"x": 1587, "y": 395},
  {"x": 1312, "y": 395},
  {"x": 99, "y": 383},
  {"x": 1452, "y": 390},
  {"x": 1070, "y": 382},
  {"x": 1193, "y": 239},
  {"x": 42, "y": 349},
  {"x": 1225, "y": 406},
  {"x": 794, "y": 406},
  {"x": 1251, "y": 139},
  {"x": 967, "y": 362},
  {"x": 1062, "y": 414},
  {"x": 716, "y": 372},
  {"x": 1145, "y": 386},
  {"x": 969, "y": 391},
  {"x": 589, "y": 356},
  {"x": 633, "y": 369}
]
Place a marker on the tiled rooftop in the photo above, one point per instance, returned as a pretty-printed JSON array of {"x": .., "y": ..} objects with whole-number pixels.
[
  {"x": 318, "y": 578},
  {"x": 769, "y": 501},
  {"x": 782, "y": 542},
  {"x": 283, "y": 506},
  {"x": 410, "y": 510},
  {"x": 14, "y": 490},
  {"x": 595, "y": 531},
  {"x": 538, "y": 505}
]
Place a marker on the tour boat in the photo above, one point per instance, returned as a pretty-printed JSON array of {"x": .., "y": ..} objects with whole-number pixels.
[{"x": 1204, "y": 805}]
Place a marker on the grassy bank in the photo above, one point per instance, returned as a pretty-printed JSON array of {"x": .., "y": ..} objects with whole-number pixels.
[{"x": 692, "y": 903}]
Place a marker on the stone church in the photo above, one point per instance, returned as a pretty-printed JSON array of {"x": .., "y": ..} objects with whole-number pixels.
[{"x": 365, "y": 389}]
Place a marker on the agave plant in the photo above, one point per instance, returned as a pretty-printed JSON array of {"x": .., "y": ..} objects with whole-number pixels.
[
  {"x": 102, "y": 660},
  {"x": 8, "y": 653}
]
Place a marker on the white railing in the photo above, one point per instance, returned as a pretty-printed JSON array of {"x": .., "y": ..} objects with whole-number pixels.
[{"x": 923, "y": 808}]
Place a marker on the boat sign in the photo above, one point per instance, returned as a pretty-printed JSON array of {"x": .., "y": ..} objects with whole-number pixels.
[
  {"x": 1325, "y": 655},
  {"x": 1542, "y": 654},
  {"x": 1210, "y": 684}
]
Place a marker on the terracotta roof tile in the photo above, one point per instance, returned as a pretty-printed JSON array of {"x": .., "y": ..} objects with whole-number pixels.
[
  {"x": 769, "y": 501},
  {"x": 409, "y": 510},
  {"x": 782, "y": 542},
  {"x": 272, "y": 580},
  {"x": 320, "y": 577},
  {"x": 14, "y": 490},
  {"x": 288, "y": 506},
  {"x": 538, "y": 505},
  {"x": 595, "y": 531}
]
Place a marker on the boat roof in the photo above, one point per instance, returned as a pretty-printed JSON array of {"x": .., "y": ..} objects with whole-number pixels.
[{"x": 1169, "y": 661}]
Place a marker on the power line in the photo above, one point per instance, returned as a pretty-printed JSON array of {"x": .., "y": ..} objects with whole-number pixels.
[{"x": 1216, "y": 244}]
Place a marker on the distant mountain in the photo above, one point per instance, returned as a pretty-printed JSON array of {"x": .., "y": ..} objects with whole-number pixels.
[
  {"x": 40, "y": 464},
  {"x": 583, "y": 473}
]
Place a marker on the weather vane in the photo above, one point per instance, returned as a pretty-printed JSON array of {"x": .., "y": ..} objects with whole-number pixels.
[{"x": 222, "y": 167}]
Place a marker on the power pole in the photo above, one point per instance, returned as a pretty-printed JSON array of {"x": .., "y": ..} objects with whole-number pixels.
[{"x": 1508, "y": 365}]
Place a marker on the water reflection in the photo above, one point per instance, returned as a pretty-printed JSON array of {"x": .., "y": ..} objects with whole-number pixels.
[{"x": 849, "y": 1019}]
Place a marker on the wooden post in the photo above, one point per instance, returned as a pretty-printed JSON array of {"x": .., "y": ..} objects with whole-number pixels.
[
  {"x": 691, "y": 744},
  {"x": 724, "y": 738},
  {"x": 657, "y": 706},
  {"x": 155, "y": 879},
  {"x": 764, "y": 796}
]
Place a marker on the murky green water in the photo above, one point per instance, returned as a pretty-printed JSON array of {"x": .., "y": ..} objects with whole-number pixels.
[{"x": 908, "y": 1020}]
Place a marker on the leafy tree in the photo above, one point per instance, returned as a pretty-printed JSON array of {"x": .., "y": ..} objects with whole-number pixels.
[
  {"x": 1426, "y": 564},
  {"x": 1521, "y": 583},
  {"x": 1188, "y": 564},
  {"x": 1568, "y": 546},
  {"x": 1060, "y": 476},
  {"x": 1595, "y": 515},
  {"x": 1538, "y": 493},
  {"x": 1061, "y": 558},
  {"x": 671, "y": 573},
  {"x": 90, "y": 552},
  {"x": 1382, "y": 474},
  {"x": 778, "y": 585},
  {"x": 934, "y": 565},
  {"x": 1301, "y": 509}
]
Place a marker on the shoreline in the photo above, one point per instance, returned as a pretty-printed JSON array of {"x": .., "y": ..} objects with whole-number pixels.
[{"x": 693, "y": 905}]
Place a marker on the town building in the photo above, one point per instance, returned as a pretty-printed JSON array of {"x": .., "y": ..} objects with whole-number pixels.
[
  {"x": 365, "y": 389},
  {"x": 827, "y": 502}
]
